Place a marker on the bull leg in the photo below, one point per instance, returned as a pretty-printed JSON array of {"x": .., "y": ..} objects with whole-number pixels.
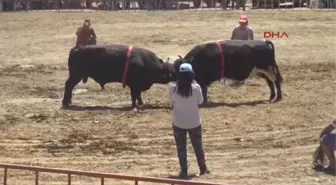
[
  {"x": 273, "y": 77},
  {"x": 270, "y": 85},
  {"x": 135, "y": 93},
  {"x": 140, "y": 102},
  {"x": 279, "y": 93},
  {"x": 102, "y": 86},
  {"x": 69, "y": 86},
  {"x": 204, "y": 92}
]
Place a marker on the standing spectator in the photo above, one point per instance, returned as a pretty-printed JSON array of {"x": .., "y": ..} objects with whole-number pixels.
[
  {"x": 242, "y": 32},
  {"x": 85, "y": 34},
  {"x": 186, "y": 95}
]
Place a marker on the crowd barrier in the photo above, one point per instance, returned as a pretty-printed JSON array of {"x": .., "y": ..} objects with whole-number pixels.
[
  {"x": 147, "y": 5},
  {"x": 101, "y": 176}
]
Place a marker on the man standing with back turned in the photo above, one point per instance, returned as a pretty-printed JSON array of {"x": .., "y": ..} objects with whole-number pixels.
[
  {"x": 242, "y": 32},
  {"x": 85, "y": 34}
]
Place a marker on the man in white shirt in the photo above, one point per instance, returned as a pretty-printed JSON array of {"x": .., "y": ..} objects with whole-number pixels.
[{"x": 185, "y": 96}]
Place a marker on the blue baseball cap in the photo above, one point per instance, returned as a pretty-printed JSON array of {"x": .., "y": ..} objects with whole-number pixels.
[{"x": 185, "y": 67}]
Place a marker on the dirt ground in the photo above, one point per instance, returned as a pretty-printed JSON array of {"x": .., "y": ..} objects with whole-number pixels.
[{"x": 246, "y": 140}]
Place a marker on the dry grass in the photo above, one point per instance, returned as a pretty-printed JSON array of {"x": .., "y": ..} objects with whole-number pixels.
[{"x": 277, "y": 140}]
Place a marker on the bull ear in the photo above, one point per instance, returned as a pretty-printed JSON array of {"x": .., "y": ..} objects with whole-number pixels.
[{"x": 179, "y": 56}]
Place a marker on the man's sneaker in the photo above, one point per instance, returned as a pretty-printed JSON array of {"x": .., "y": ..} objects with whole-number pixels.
[
  {"x": 183, "y": 174},
  {"x": 204, "y": 171}
]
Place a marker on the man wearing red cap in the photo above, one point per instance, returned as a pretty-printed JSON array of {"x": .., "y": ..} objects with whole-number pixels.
[
  {"x": 85, "y": 34},
  {"x": 242, "y": 32}
]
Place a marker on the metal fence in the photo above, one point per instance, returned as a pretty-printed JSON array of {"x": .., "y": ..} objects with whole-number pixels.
[
  {"x": 148, "y": 5},
  {"x": 101, "y": 176}
]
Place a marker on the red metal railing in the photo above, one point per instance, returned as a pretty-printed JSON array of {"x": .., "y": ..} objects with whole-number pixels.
[{"x": 102, "y": 176}]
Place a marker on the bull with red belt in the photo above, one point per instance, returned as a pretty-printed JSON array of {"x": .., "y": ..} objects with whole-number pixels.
[
  {"x": 235, "y": 60},
  {"x": 135, "y": 67}
]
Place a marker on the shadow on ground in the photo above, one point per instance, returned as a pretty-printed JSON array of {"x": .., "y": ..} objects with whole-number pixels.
[
  {"x": 326, "y": 171},
  {"x": 233, "y": 105},
  {"x": 125, "y": 108},
  {"x": 162, "y": 106},
  {"x": 189, "y": 177}
]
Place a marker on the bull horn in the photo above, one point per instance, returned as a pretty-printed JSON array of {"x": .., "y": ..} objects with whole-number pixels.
[
  {"x": 179, "y": 56},
  {"x": 167, "y": 61}
]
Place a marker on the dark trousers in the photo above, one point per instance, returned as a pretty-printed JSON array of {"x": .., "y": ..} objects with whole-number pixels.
[{"x": 195, "y": 135}]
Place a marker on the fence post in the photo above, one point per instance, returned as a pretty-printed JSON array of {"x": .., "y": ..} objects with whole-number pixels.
[
  {"x": 5, "y": 176},
  {"x": 136, "y": 182},
  {"x": 36, "y": 177},
  {"x": 69, "y": 179},
  {"x": 102, "y": 181}
]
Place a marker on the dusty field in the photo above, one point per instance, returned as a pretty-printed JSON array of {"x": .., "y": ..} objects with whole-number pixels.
[{"x": 246, "y": 141}]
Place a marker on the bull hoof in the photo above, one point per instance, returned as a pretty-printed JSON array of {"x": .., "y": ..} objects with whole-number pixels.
[{"x": 65, "y": 106}]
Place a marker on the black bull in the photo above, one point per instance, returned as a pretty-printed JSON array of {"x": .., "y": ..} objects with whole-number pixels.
[
  {"x": 242, "y": 58},
  {"x": 106, "y": 64}
]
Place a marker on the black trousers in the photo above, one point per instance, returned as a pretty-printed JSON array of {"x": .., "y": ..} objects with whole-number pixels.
[{"x": 195, "y": 135}]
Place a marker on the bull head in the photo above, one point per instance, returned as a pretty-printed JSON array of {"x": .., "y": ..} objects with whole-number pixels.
[{"x": 167, "y": 74}]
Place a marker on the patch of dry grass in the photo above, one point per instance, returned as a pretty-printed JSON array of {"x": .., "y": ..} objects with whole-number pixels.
[{"x": 245, "y": 144}]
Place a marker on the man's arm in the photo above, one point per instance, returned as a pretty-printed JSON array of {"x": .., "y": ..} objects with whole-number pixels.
[
  {"x": 327, "y": 130},
  {"x": 78, "y": 31},
  {"x": 233, "y": 36},
  {"x": 251, "y": 34},
  {"x": 199, "y": 95},
  {"x": 93, "y": 33},
  {"x": 170, "y": 94}
]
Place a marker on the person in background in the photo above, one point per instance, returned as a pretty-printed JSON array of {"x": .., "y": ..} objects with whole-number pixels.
[
  {"x": 185, "y": 96},
  {"x": 242, "y": 32},
  {"x": 85, "y": 34},
  {"x": 328, "y": 146}
]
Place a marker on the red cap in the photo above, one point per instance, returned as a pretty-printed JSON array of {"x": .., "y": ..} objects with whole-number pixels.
[{"x": 243, "y": 18}]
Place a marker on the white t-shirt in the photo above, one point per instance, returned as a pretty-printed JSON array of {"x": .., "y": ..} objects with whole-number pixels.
[{"x": 186, "y": 113}]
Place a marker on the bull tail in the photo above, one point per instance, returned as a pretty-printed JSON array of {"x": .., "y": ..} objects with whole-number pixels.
[{"x": 275, "y": 68}]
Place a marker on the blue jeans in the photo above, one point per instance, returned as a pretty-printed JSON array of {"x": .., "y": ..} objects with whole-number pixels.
[{"x": 195, "y": 135}]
